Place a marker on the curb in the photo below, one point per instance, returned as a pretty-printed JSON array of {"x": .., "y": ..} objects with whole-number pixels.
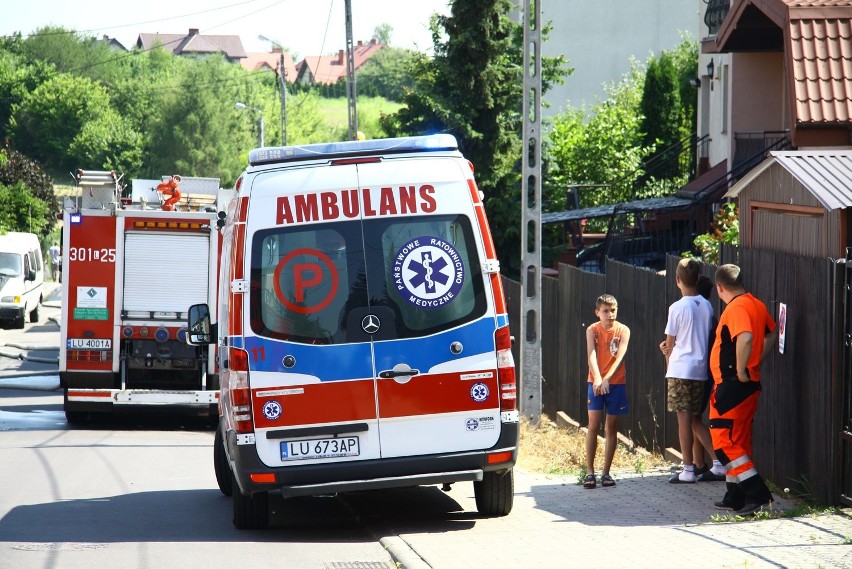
[{"x": 402, "y": 553}]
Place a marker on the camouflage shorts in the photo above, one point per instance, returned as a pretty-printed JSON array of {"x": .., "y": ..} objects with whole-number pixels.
[{"x": 685, "y": 395}]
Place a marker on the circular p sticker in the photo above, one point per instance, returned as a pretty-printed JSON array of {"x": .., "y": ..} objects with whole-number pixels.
[
  {"x": 313, "y": 280},
  {"x": 428, "y": 272}
]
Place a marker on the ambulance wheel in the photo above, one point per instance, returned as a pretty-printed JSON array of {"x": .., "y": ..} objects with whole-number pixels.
[
  {"x": 34, "y": 314},
  {"x": 250, "y": 512},
  {"x": 495, "y": 493},
  {"x": 220, "y": 464}
]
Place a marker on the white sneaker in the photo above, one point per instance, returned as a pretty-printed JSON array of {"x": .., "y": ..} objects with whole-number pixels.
[
  {"x": 718, "y": 470},
  {"x": 685, "y": 477}
]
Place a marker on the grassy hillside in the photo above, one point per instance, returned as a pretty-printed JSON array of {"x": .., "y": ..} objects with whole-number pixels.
[{"x": 369, "y": 110}]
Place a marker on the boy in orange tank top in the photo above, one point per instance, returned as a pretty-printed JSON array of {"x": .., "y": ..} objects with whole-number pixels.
[{"x": 606, "y": 343}]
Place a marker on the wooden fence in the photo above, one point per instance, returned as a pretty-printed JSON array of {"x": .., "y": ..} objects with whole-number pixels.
[{"x": 796, "y": 441}]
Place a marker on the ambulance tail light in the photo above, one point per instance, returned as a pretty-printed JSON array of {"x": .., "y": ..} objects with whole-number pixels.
[
  {"x": 506, "y": 370},
  {"x": 238, "y": 386}
]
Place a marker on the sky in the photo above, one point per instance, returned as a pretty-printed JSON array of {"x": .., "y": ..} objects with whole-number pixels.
[{"x": 306, "y": 27}]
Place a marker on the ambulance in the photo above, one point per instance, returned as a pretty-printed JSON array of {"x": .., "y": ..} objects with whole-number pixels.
[{"x": 362, "y": 334}]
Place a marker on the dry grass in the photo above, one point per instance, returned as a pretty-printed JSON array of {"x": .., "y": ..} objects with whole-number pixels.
[{"x": 550, "y": 449}]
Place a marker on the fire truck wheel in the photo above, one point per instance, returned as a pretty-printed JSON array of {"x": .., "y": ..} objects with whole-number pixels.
[
  {"x": 34, "y": 314},
  {"x": 220, "y": 464},
  {"x": 495, "y": 494},
  {"x": 250, "y": 512}
]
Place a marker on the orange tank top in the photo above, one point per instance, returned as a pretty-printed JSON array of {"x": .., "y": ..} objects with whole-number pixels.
[{"x": 606, "y": 347}]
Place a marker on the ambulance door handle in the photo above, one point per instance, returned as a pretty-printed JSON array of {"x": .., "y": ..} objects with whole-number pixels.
[{"x": 399, "y": 370}]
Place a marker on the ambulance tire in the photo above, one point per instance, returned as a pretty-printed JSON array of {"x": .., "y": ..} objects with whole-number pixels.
[
  {"x": 250, "y": 512},
  {"x": 495, "y": 493},
  {"x": 220, "y": 464},
  {"x": 34, "y": 314}
]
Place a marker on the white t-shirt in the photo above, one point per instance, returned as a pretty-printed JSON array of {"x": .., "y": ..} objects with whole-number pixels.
[{"x": 689, "y": 322}]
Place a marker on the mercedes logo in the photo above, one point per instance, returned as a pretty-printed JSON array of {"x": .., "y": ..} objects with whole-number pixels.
[{"x": 370, "y": 324}]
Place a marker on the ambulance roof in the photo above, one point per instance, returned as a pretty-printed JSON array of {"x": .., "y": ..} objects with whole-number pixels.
[{"x": 352, "y": 148}]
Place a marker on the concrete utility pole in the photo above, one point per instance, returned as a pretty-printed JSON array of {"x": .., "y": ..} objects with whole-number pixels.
[
  {"x": 530, "y": 364},
  {"x": 350, "y": 75},
  {"x": 282, "y": 75}
]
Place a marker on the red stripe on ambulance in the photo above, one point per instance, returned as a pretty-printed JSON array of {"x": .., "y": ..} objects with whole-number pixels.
[
  {"x": 328, "y": 402},
  {"x": 436, "y": 393}
]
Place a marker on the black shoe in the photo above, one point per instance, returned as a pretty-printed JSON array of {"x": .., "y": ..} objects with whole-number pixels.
[
  {"x": 722, "y": 505},
  {"x": 700, "y": 471},
  {"x": 709, "y": 476},
  {"x": 753, "y": 508}
]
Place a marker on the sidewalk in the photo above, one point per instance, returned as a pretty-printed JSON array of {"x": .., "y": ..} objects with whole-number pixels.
[{"x": 643, "y": 522}]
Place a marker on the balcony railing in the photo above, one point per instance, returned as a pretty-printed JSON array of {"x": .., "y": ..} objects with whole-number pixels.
[
  {"x": 716, "y": 12},
  {"x": 750, "y": 148}
]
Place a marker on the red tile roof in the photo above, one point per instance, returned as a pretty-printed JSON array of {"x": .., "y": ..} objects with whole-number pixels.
[
  {"x": 269, "y": 60},
  {"x": 328, "y": 69},
  {"x": 821, "y": 52},
  {"x": 818, "y": 41}
]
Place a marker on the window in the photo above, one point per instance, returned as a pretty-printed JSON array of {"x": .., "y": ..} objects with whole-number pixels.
[{"x": 314, "y": 283}]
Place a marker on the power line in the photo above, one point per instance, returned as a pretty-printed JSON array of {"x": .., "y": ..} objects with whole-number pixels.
[{"x": 47, "y": 34}]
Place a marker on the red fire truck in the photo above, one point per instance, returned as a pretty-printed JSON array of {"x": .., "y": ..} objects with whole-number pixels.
[{"x": 133, "y": 263}]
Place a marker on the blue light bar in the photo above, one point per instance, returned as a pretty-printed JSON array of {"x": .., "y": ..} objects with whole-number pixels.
[
  {"x": 75, "y": 218},
  {"x": 329, "y": 150}
]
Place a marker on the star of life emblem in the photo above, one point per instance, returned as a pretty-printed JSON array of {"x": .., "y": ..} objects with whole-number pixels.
[
  {"x": 428, "y": 272},
  {"x": 272, "y": 410}
]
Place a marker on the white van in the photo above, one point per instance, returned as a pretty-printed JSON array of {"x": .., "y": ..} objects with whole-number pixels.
[
  {"x": 363, "y": 337},
  {"x": 21, "y": 278}
]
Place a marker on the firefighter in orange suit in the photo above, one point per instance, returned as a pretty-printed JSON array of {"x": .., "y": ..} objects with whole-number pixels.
[{"x": 744, "y": 337}]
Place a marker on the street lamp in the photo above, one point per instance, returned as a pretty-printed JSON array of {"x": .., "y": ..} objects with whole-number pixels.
[
  {"x": 243, "y": 107},
  {"x": 282, "y": 73}
]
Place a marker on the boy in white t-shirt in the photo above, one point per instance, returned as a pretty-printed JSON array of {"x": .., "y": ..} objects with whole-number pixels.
[{"x": 685, "y": 349}]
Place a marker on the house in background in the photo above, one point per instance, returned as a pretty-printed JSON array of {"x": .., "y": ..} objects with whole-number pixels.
[
  {"x": 329, "y": 69},
  {"x": 112, "y": 43},
  {"x": 195, "y": 44},
  {"x": 271, "y": 60},
  {"x": 779, "y": 73}
]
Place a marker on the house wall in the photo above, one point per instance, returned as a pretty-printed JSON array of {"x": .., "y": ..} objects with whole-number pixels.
[
  {"x": 598, "y": 37},
  {"x": 778, "y": 213},
  {"x": 757, "y": 94}
]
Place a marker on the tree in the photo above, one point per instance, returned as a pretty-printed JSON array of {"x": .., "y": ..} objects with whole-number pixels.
[
  {"x": 383, "y": 33},
  {"x": 27, "y": 177},
  {"x": 386, "y": 74},
  {"x": 47, "y": 120},
  {"x": 600, "y": 147},
  {"x": 197, "y": 131},
  {"x": 472, "y": 88},
  {"x": 21, "y": 211},
  {"x": 661, "y": 110},
  {"x": 110, "y": 143}
]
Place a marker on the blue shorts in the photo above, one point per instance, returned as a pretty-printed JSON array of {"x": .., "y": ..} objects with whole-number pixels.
[{"x": 615, "y": 401}]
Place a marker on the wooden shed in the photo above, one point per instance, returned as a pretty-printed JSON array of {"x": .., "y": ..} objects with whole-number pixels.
[{"x": 797, "y": 202}]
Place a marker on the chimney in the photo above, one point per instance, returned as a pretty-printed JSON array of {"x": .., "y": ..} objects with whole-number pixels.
[
  {"x": 374, "y": 41},
  {"x": 193, "y": 31},
  {"x": 341, "y": 57},
  {"x": 360, "y": 43}
]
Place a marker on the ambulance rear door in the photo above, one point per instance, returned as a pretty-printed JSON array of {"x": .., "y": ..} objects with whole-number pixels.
[
  {"x": 434, "y": 347},
  {"x": 311, "y": 368}
]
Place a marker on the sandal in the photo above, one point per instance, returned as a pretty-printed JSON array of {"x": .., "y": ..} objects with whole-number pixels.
[
  {"x": 606, "y": 481},
  {"x": 589, "y": 481}
]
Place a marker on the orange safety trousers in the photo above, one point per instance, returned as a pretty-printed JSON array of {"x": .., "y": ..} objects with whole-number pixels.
[{"x": 732, "y": 408}]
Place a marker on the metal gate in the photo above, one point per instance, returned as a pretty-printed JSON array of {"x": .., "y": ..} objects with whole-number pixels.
[{"x": 846, "y": 390}]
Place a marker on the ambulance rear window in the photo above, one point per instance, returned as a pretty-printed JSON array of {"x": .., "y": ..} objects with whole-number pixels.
[{"x": 315, "y": 283}]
